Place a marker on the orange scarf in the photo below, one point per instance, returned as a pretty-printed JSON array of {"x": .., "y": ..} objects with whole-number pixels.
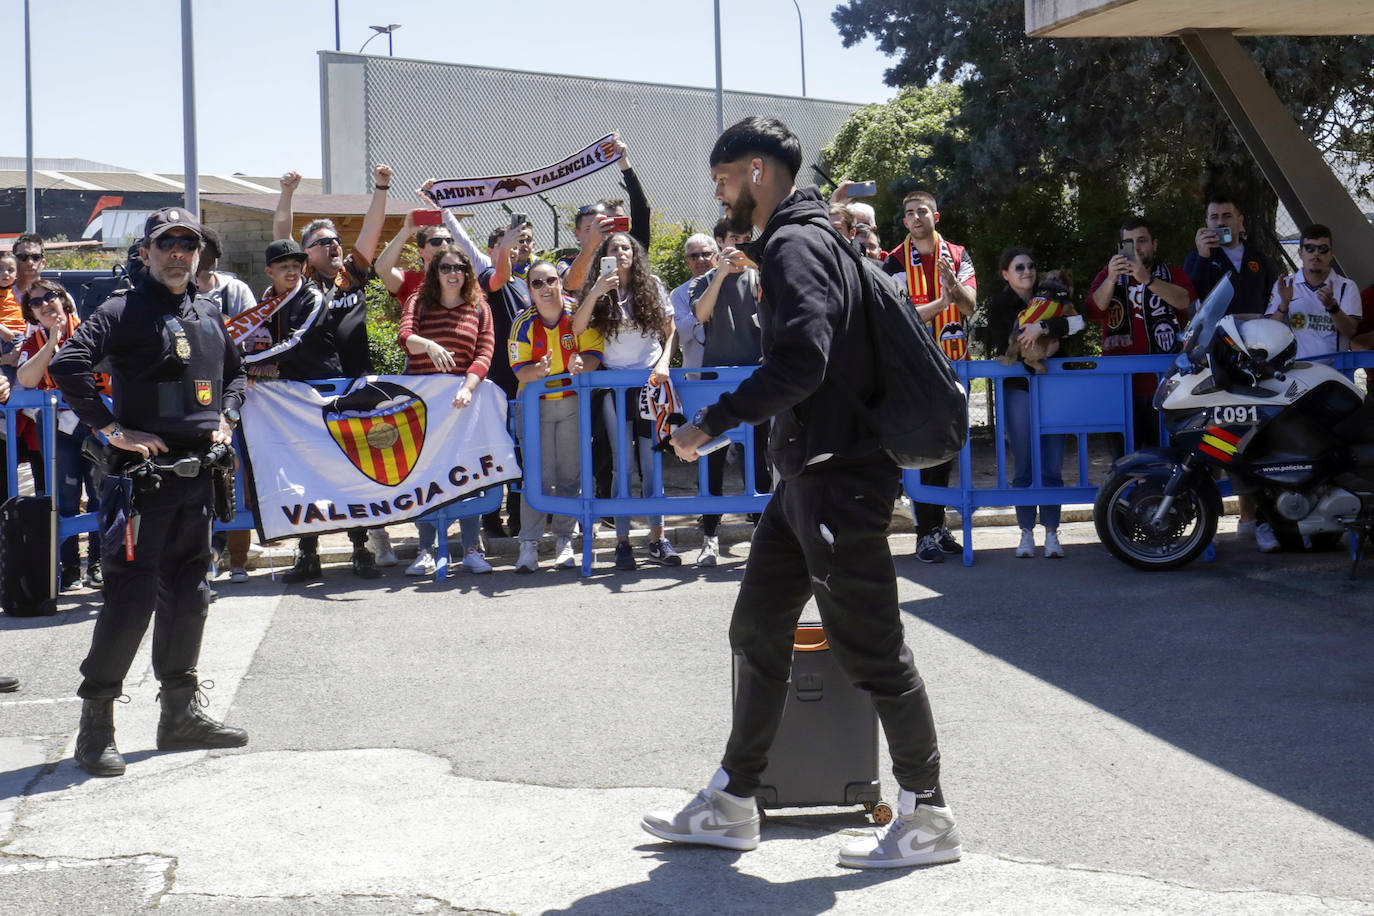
[{"x": 955, "y": 346}]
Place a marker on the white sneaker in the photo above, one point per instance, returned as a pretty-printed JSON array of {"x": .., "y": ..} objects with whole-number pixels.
[
  {"x": 474, "y": 562},
  {"x": 710, "y": 551},
  {"x": 529, "y": 557},
  {"x": 423, "y": 565},
  {"x": 563, "y": 557},
  {"x": 1027, "y": 546},
  {"x": 925, "y": 836},
  {"x": 238, "y": 574},
  {"x": 713, "y": 818},
  {"x": 1265, "y": 539},
  {"x": 1052, "y": 546},
  {"x": 380, "y": 542}
]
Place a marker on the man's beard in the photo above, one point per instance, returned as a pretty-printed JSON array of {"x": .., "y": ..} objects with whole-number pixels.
[{"x": 741, "y": 218}]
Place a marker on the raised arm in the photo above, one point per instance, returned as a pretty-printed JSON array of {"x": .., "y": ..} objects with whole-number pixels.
[
  {"x": 282, "y": 218},
  {"x": 388, "y": 262},
  {"x": 371, "y": 232}
]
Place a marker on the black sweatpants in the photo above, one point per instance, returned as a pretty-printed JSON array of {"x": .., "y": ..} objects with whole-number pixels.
[
  {"x": 165, "y": 581},
  {"x": 826, "y": 532}
]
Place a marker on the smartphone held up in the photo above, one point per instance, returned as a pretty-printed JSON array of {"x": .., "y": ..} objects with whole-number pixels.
[{"x": 424, "y": 216}]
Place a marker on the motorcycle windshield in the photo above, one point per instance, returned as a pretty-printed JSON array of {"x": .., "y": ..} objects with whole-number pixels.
[{"x": 1197, "y": 338}]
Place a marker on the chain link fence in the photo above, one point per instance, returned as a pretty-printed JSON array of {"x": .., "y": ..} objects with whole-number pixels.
[{"x": 435, "y": 120}]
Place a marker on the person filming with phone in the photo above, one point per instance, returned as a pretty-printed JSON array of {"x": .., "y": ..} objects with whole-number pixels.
[
  {"x": 1222, "y": 250},
  {"x": 1142, "y": 306}
]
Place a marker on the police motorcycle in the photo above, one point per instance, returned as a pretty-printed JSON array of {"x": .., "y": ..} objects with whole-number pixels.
[{"x": 1296, "y": 436}]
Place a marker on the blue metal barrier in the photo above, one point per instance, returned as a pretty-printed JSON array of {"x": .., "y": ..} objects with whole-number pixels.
[
  {"x": 696, "y": 388},
  {"x": 1077, "y": 397}
]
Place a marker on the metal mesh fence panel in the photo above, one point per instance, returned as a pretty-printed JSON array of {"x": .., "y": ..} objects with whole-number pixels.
[{"x": 435, "y": 120}]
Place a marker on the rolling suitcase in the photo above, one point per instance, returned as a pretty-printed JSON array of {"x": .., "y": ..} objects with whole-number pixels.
[
  {"x": 28, "y": 543},
  {"x": 826, "y": 750}
]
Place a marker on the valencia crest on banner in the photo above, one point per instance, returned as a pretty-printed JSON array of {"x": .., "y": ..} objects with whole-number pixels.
[{"x": 385, "y": 449}]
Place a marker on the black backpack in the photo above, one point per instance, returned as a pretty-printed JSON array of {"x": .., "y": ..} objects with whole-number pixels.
[{"x": 918, "y": 410}]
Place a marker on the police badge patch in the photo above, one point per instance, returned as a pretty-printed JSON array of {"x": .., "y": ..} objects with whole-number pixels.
[{"x": 204, "y": 391}]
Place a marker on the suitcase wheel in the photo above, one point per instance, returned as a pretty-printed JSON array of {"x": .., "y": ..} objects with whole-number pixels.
[{"x": 880, "y": 812}]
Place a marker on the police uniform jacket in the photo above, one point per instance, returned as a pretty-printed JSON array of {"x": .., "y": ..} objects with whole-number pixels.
[{"x": 172, "y": 366}]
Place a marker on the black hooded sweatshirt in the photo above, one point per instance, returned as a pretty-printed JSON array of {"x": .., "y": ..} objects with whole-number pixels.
[{"x": 817, "y": 356}]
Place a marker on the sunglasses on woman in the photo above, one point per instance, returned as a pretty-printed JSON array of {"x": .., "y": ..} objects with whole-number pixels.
[
  {"x": 44, "y": 299},
  {"x": 450, "y": 268},
  {"x": 540, "y": 284},
  {"x": 1022, "y": 268}
]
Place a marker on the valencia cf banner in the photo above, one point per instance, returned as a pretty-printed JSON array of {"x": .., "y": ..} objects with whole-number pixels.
[
  {"x": 387, "y": 449},
  {"x": 456, "y": 192}
]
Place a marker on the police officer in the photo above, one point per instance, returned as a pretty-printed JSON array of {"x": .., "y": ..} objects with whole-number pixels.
[{"x": 178, "y": 384}]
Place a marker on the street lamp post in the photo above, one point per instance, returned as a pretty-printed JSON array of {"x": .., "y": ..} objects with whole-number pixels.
[
  {"x": 188, "y": 111},
  {"x": 386, "y": 30},
  {"x": 337, "y": 46},
  {"x": 801, "y": 41},
  {"x": 720, "y": 91},
  {"x": 30, "y": 195}
]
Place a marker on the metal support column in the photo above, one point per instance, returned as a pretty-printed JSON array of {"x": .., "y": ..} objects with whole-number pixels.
[{"x": 1290, "y": 162}]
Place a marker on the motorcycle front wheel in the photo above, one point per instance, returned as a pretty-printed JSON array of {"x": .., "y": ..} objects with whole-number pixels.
[{"x": 1124, "y": 516}]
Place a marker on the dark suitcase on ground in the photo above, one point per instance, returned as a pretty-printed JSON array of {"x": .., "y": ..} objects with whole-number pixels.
[
  {"x": 826, "y": 751},
  {"x": 27, "y": 563}
]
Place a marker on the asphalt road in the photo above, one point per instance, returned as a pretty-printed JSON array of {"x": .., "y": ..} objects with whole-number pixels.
[{"x": 1113, "y": 742}]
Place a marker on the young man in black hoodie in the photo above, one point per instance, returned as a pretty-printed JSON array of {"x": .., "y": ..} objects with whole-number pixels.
[{"x": 825, "y": 530}]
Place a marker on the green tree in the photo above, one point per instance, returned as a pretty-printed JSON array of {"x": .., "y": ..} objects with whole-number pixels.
[
  {"x": 1091, "y": 129},
  {"x": 879, "y": 143}
]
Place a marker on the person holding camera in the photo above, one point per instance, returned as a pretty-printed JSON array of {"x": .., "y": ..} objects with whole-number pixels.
[
  {"x": 1142, "y": 306},
  {"x": 1223, "y": 251},
  {"x": 178, "y": 385}
]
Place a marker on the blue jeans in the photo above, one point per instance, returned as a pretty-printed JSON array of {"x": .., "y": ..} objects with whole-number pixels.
[
  {"x": 648, "y": 474},
  {"x": 1016, "y": 423},
  {"x": 74, "y": 472},
  {"x": 469, "y": 529}
]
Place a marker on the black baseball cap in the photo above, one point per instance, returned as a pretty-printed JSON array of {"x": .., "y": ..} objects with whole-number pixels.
[
  {"x": 284, "y": 249},
  {"x": 170, "y": 218}
]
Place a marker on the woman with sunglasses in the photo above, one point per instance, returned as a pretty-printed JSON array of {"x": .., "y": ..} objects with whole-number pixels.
[
  {"x": 542, "y": 343},
  {"x": 51, "y": 312},
  {"x": 446, "y": 329},
  {"x": 630, "y": 309},
  {"x": 1003, "y": 313}
]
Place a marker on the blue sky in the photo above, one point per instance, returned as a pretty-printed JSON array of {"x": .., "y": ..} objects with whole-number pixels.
[{"x": 107, "y": 82}]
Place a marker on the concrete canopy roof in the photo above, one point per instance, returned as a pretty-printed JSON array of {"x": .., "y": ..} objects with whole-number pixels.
[{"x": 1156, "y": 18}]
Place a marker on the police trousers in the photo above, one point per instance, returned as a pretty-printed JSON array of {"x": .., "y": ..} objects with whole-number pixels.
[
  {"x": 164, "y": 582},
  {"x": 825, "y": 533}
]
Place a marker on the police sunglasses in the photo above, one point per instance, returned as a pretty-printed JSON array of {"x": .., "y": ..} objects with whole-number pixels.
[{"x": 181, "y": 243}]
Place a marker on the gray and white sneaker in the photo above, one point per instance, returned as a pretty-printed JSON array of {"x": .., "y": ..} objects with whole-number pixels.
[
  {"x": 1027, "y": 546},
  {"x": 713, "y": 818},
  {"x": 1052, "y": 546},
  {"x": 924, "y": 836},
  {"x": 710, "y": 550},
  {"x": 563, "y": 556},
  {"x": 662, "y": 553},
  {"x": 1265, "y": 539},
  {"x": 380, "y": 542}
]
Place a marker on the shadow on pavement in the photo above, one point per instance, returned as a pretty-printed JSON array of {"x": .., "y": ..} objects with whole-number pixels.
[
  {"x": 1263, "y": 666},
  {"x": 708, "y": 878}
]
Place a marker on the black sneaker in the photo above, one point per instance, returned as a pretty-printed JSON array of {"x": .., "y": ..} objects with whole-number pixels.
[
  {"x": 947, "y": 542},
  {"x": 625, "y": 556},
  {"x": 365, "y": 564},
  {"x": 928, "y": 550},
  {"x": 307, "y": 569},
  {"x": 70, "y": 578},
  {"x": 94, "y": 577}
]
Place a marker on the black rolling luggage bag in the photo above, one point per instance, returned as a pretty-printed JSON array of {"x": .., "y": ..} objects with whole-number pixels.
[{"x": 826, "y": 750}]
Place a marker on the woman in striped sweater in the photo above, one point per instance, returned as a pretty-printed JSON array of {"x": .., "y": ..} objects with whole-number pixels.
[{"x": 446, "y": 328}]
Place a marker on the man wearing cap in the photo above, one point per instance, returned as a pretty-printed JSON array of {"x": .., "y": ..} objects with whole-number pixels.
[{"x": 178, "y": 385}]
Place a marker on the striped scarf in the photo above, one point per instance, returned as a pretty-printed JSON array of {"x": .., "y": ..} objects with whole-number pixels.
[{"x": 949, "y": 324}]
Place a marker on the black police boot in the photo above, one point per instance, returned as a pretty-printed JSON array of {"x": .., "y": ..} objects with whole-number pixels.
[
  {"x": 9, "y": 684},
  {"x": 307, "y": 569},
  {"x": 183, "y": 727},
  {"x": 95, "y": 745},
  {"x": 365, "y": 564}
]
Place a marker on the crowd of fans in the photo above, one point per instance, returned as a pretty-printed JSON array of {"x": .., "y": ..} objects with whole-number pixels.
[{"x": 501, "y": 313}]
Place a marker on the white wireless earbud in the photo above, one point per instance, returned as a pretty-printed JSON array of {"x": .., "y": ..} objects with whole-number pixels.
[{"x": 756, "y": 176}]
